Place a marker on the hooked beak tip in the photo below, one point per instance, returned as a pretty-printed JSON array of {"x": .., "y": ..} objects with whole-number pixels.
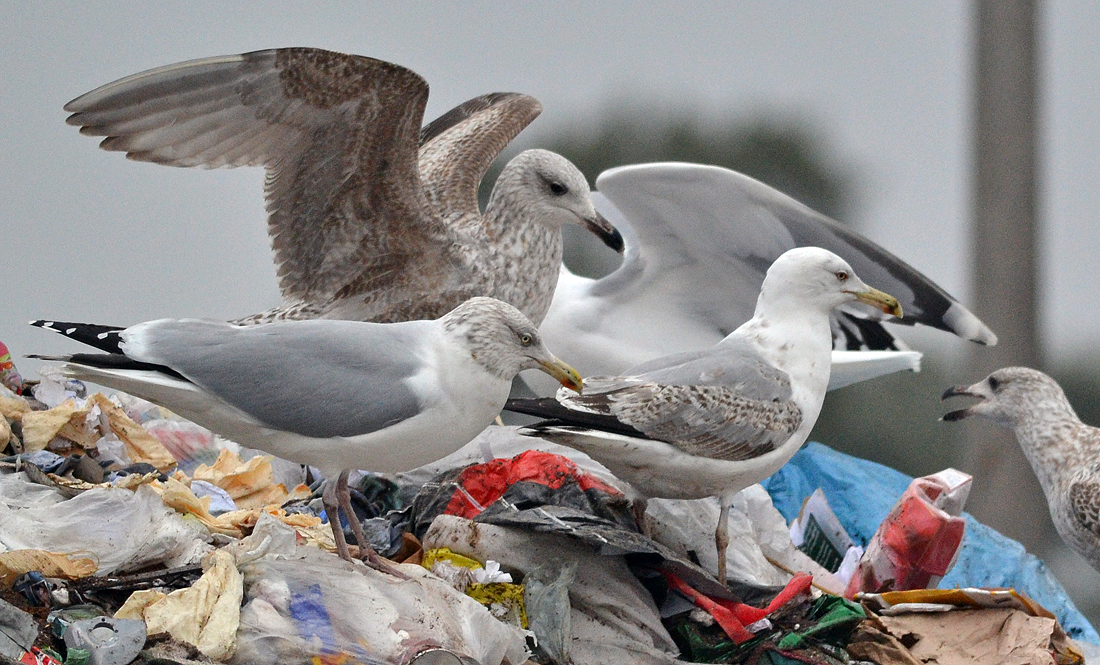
[
  {"x": 566, "y": 375},
  {"x": 607, "y": 233},
  {"x": 879, "y": 300}
]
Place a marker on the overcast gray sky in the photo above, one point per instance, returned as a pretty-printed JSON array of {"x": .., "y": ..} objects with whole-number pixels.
[{"x": 89, "y": 236}]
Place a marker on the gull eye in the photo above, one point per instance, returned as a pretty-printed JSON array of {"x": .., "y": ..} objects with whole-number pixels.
[
  {"x": 525, "y": 339},
  {"x": 558, "y": 189},
  {"x": 842, "y": 275},
  {"x": 994, "y": 383}
]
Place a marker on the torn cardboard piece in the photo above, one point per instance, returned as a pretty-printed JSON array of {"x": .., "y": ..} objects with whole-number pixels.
[
  {"x": 962, "y": 637},
  {"x": 989, "y": 625}
]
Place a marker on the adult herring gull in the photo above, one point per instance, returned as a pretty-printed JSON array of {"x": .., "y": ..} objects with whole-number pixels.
[
  {"x": 366, "y": 224},
  {"x": 1063, "y": 451},
  {"x": 699, "y": 240},
  {"x": 337, "y": 395},
  {"x": 712, "y": 422}
]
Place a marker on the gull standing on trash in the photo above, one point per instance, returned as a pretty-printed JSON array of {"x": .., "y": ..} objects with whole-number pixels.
[
  {"x": 687, "y": 225},
  {"x": 712, "y": 422},
  {"x": 370, "y": 217},
  {"x": 1063, "y": 451},
  {"x": 338, "y": 395}
]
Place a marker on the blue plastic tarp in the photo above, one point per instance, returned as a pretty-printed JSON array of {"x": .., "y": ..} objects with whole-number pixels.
[{"x": 861, "y": 493}]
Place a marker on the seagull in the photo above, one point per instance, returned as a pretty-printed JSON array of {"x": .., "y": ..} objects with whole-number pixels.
[
  {"x": 699, "y": 239},
  {"x": 712, "y": 422},
  {"x": 338, "y": 395},
  {"x": 371, "y": 217},
  {"x": 1063, "y": 451}
]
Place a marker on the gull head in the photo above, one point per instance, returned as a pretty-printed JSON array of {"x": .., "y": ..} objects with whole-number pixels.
[
  {"x": 555, "y": 191},
  {"x": 504, "y": 341},
  {"x": 815, "y": 278},
  {"x": 1010, "y": 395}
]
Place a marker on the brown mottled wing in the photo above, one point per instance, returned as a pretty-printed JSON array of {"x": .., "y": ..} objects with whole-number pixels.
[
  {"x": 337, "y": 133},
  {"x": 723, "y": 403},
  {"x": 1085, "y": 503},
  {"x": 458, "y": 147}
]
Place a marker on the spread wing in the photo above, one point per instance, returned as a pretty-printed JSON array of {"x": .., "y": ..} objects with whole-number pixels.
[
  {"x": 338, "y": 135},
  {"x": 698, "y": 224},
  {"x": 457, "y": 148}
]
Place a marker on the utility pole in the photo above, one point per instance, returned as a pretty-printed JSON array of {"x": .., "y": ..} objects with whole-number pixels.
[{"x": 1003, "y": 254}]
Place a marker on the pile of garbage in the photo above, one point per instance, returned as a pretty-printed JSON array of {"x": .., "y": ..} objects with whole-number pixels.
[{"x": 130, "y": 535}]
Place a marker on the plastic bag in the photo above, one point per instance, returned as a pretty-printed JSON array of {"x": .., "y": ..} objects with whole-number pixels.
[
  {"x": 315, "y": 604},
  {"x": 613, "y": 618},
  {"x": 119, "y": 529},
  {"x": 862, "y": 492},
  {"x": 918, "y": 541}
]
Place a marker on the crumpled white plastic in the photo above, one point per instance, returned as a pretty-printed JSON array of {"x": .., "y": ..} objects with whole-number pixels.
[
  {"x": 118, "y": 528},
  {"x": 613, "y": 621},
  {"x": 312, "y": 603}
]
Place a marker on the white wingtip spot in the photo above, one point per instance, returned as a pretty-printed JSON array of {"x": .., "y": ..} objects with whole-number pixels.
[
  {"x": 102, "y": 336},
  {"x": 968, "y": 326},
  {"x": 70, "y": 331}
]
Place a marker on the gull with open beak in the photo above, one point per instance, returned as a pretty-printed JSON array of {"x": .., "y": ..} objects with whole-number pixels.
[{"x": 1063, "y": 451}]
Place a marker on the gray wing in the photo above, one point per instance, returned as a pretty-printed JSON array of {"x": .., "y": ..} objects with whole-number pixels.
[
  {"x": 724, "y": 403},
  {"x": 337, "y": 133},
  {"x": 1084, "y": 499},
  {"x": 458, "y": 147},
  {"x": 699, "y": 224},
  {"x": 315, "y": 378}
]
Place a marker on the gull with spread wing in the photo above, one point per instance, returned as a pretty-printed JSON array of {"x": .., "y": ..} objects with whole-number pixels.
[
  {"x": 712, "y": 422},
  {"x": 371, "y": 217},
  {"x": 699, "y": 239}
]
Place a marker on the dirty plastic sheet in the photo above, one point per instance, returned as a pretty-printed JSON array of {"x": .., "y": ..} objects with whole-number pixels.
[
  {"x": 613, "y": 619},
  {"x": 760, "y": 551},
  {"x": 862, "y": 492},
  {"x": 315, "y": 604},
  {"x": 119, "y": 529}
]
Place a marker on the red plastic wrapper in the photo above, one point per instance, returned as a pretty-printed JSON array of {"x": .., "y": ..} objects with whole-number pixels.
[
  {"x": 37, "y": 657},
  {"x": 918, "y": 542},
  {"x": 9, "y": 377}
]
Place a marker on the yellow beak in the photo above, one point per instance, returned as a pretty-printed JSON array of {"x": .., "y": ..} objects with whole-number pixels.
[
  {"x": 879, "y": 300},
  {"x": 563, "y": 373}
]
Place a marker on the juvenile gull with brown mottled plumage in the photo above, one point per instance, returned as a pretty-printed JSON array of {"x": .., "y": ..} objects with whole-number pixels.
[
  {"x": 371, "y": 218},
  {"x": 710, "y": 423},
  {"x": 1063, "y": 451}
]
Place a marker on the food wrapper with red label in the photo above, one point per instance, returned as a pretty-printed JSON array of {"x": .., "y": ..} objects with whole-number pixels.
[{"x": 918, "y": 542}]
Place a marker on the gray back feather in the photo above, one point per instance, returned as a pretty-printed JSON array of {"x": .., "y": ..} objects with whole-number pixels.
[{"x": 314, "y": 378}]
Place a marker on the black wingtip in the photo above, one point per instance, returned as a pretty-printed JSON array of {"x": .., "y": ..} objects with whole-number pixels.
[{"x": 104, "y": 338}]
